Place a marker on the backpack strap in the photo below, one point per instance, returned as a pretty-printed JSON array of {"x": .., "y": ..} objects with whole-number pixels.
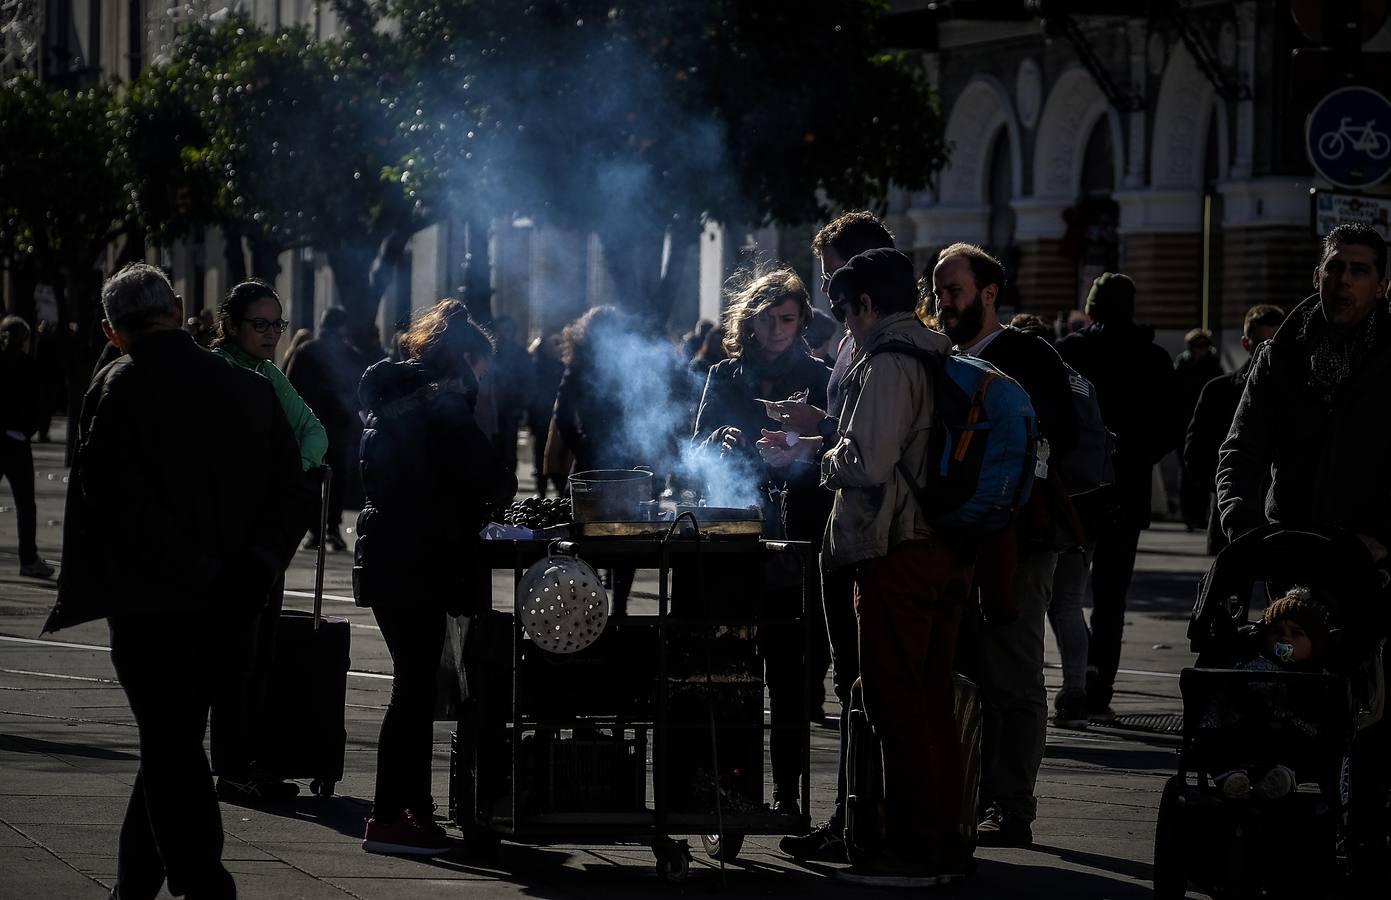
[{"x": 932, "y": 362}]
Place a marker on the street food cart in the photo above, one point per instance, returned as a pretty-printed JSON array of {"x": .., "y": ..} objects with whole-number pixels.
[{"x": 656, "y": 726}]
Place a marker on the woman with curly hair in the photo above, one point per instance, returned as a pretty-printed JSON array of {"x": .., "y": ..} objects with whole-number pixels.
[{"x": 767, "y": 314}]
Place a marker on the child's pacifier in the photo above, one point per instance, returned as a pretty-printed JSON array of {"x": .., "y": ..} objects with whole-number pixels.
[{"x": 1284, "y": 652}]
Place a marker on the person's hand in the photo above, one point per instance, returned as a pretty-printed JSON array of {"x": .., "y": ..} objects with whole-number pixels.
[
  {"x": 780, "y": 449},
  {"x": 791, "y": 415},
  {"x": 1374, "y": 547},
  {"x": 732, "y": 439}
]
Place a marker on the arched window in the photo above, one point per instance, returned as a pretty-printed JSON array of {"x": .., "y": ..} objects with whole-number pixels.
[
  {"x": 1000, "y": 193},
  {"x": 1096, "y": 216}
]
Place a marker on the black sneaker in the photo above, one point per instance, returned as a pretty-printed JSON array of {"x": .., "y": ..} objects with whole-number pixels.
[
  {"x": 824, "y": 843},
  {"x": 786, "y": 807},
  {"x": 1070, "y": 710},
  {"x": 1000, "y": 830},
  {"x": 256, "y": 790}
]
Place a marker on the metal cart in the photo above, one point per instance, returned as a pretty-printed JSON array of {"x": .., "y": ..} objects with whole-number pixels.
[{"x": 556, "y": 748}]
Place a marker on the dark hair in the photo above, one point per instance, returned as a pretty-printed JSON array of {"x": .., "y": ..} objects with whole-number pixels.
[
  {"x": 1262, "y": 315},
  {"x": 751, "y": 292},
  {"x": 985, "y": 269},
  {"x": 851, "y": 234},
  {"x": 14, "y": 331},
  {"x": 442, "y": 335},
  {"x": 1032, "y": 325},
  {"x": 232, "y": 310},
  {"x": 885, "y": 274},
  {"x": 334, "y": 317},
  {"x": 1357, "y": 233}
]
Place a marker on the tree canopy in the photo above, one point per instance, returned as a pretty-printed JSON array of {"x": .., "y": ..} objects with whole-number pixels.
[{"x": 635, "y": 120}]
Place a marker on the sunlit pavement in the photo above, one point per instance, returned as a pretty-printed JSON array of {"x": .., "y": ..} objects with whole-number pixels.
[{"x": 68, "y": 754}]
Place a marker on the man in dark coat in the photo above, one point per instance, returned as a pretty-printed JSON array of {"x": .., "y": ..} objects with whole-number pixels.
[
  {"x": 1309, "y": 447},
  {"x": 1212, "y": 417},
  {"x": 326, "y": 372},
  {"x": 1195, "y": 367},
  {"x": 1316, "y": 412},
  {"x": 20, "y": 416},
  {"x": 1006, "y": 657},
  {"x": 176, "y": 567},
  {"x": 1136, "y": 389}
]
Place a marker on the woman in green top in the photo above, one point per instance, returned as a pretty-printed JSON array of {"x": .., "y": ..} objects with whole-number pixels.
[{"x": 249, "y": 328}]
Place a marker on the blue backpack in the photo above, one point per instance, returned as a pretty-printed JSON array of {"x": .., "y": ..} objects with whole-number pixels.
[{"x": 982, "y": 448}]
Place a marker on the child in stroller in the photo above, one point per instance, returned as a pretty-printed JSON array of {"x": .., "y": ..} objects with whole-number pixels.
[
  {"x": 1293, "y": 637},
  {"x": 1273, "y": 702}
]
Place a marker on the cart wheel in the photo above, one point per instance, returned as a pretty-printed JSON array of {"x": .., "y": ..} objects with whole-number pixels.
[
  {"x": 673, "y": 866},
  {"x": 673, "y": 860},
  {"x": 1170, "y": 848},
  {"x": 723, "y": 850},
  {"x": 322, "y": 787}
]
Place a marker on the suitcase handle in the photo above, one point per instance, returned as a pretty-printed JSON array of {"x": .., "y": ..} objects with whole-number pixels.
[{"x": 326, "y": 471}]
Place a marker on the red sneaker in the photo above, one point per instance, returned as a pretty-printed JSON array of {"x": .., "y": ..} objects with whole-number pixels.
[{"x": 407, "y": 837}]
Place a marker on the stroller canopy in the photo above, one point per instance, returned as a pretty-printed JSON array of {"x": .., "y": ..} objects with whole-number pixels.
[{"x": 1336, "y": 565}]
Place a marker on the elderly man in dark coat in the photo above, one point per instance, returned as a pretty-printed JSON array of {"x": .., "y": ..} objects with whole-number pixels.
[{"x": 177, "y": 567}]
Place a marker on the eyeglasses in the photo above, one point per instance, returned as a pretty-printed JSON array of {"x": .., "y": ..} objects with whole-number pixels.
[
  {"x": 261, "y": 326},
  {"x": 838, "y": 310},
  {"x": 825, "y": 280}
]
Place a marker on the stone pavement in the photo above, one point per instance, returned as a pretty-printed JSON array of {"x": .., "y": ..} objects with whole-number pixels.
[{"x": 68, "y": 754}]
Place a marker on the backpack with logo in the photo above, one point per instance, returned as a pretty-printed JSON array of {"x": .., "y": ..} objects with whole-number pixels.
[
  {"x": 1088, "y": 466},
  {"x": 982, "y": 448}
]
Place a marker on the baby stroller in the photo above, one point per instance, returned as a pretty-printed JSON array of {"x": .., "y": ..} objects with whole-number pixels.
[{"x": 1311, "y": 842}]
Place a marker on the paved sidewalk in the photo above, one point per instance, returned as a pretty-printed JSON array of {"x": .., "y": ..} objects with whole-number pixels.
[{"x": 68, "y": 754}]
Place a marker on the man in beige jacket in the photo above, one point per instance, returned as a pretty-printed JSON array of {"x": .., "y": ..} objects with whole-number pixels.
[{"x": 910, "y": 584}]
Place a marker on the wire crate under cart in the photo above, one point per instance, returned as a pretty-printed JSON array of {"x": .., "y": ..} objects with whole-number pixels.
[{"x": 654, "y": 729}]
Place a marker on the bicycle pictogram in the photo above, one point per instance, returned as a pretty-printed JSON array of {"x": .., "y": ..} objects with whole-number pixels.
[{"x": 1363, "y": 139}]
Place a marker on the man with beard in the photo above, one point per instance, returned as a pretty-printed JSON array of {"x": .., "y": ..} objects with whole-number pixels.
[
  {"x": 1314, "y": 411},
  {"x": 1309, "y": 446},
  {"x": 1138, "y": 396},
  {"x": 1016, "y": 565},
  {"x": 1212, "y": 417}
]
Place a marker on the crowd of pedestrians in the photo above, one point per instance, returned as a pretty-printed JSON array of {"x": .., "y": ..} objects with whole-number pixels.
[{"x": 428, "y": 438}]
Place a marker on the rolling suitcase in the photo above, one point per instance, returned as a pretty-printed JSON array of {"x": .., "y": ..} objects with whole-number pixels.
[
  {"x": 301, "y": 730},
  {"x": 864, "y": 778}
]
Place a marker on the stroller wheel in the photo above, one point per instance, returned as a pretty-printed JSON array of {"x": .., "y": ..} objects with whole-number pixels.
[{"x": 1170, "y": 850}]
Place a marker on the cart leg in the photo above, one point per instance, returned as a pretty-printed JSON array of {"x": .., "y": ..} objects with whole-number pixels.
[{"x": 673, "y": 859}]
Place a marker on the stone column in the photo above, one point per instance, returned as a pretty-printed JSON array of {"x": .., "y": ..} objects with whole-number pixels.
[{"x": 1162, "y": 249}]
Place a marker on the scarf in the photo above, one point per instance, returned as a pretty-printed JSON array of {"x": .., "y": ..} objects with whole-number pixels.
[{"x": 1337, "y": 354}]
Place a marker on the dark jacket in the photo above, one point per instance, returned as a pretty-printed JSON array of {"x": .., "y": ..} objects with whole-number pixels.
[
  {"x": 144, "y": 534},
  {"x": 1034, "y": 363},
  {"x": 1327, "y": 464},
  {"x": 733, "y": 390},
  {"x": 546, "y": 372},
  {"x": 1137, "y": 391},
  {"x": 325, "y": 371},
  {"x": 1212, "y": 420},
  {"x": 1192, "y": 376},
  {"x": 19, "y": 393},
  {"x": 430, "y": 476}
]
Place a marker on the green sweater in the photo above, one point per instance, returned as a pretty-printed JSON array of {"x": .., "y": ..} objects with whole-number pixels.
[{"x": 313, "y": 439}]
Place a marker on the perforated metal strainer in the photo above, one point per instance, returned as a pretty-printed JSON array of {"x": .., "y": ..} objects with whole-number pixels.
[{"x": 562, "y": 604}]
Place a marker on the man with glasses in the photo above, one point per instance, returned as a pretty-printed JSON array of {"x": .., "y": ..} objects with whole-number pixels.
[
  {"x": 848, "y": 235},
  {"x": 174, "y": 565}
]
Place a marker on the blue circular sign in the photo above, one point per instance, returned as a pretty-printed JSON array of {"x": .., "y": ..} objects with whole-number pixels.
[{"x": 1349, "y": 137}]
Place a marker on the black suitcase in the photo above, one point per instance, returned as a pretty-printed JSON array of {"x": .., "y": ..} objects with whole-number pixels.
[
  {"x": 301, "y": 730},
  {"x": 864, "y": 778}
]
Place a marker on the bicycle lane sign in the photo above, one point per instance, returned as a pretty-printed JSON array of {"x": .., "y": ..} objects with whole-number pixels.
[{"x": 1349, "y": 137}]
